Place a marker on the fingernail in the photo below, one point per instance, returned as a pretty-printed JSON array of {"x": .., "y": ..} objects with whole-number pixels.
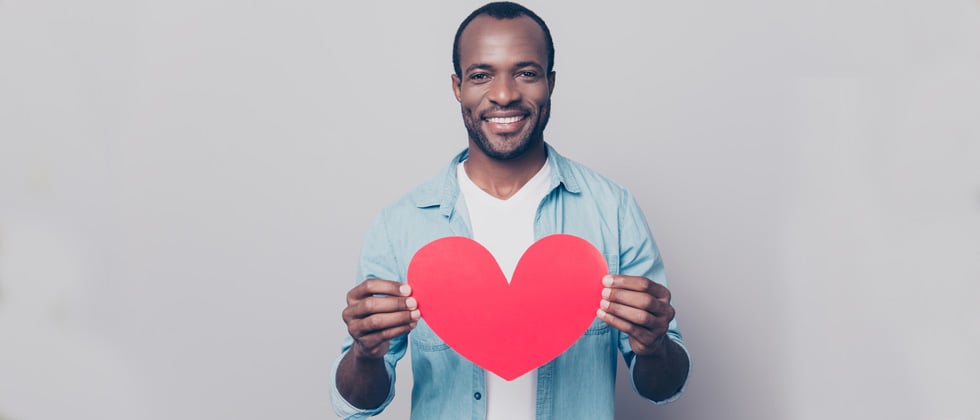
[
  {"x": 600, "y": 313},
  {"x": 405, "y": 289},
  {"x": 606, "y": 292},
  {"x": 416, "y": 314},
  {"x": 607, "y": 280},
  {"x": 604, "y": 304},
  {"x": 411, "y": 303}
]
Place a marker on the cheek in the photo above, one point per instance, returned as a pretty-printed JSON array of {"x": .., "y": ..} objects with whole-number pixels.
[
  {"x": 471, "y": 98},
  {"x": 539, "y": 96},
  {"x": 471, "y": 101}
]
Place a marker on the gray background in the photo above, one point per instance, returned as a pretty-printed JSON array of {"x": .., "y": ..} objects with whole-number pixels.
[{"x": 184, "y": 187}]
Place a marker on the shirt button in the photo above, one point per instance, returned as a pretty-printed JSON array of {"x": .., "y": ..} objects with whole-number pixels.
[{"x": 477, "y": 396}]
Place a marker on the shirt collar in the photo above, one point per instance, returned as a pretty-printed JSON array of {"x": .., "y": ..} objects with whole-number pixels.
[{"x": 444, "y": 189}]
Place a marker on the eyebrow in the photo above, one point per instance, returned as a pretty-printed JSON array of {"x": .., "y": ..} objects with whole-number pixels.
[
  {"x": 478, "y": 66},
  {"x": 529, "y": 64},
  {"x": 485, "y": 66}
]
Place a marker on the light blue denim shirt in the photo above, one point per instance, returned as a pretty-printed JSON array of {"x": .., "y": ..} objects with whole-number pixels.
[{"x": 578, "y": 384}]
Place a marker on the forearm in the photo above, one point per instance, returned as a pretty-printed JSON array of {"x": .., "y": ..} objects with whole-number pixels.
[
  {"x": 362, "y": 381},
  {"x": 661, "y": 375}
]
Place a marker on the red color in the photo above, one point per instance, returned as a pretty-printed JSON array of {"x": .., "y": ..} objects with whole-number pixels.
[{"x": 508, "y": 329}]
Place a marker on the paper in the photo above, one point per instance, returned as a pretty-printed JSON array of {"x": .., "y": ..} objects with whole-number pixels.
[{"x": 508, "y": 329}]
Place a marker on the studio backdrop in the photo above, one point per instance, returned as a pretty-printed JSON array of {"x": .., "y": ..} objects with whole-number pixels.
[{"x": 185, "y": 186}]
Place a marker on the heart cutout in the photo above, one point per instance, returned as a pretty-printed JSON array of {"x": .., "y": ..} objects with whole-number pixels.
[{"x": 508, "y": 329}]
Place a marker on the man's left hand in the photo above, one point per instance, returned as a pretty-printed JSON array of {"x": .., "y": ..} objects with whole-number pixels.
[{"x": 640, "y": 308}]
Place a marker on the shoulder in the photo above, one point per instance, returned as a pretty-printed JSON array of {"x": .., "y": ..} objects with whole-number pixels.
[
  {"x": 401, "y": 228},
  {"x": 428, "y": 194},
  {"x": 420, "y": 213},
  {"x": 434, "y": 192},
  {"x": 579, "y": 178}
]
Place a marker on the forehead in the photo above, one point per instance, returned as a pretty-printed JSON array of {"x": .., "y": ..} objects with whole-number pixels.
[{"x": 488, "y": 40}]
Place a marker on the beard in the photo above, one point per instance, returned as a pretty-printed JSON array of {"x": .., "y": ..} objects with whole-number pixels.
[{"x": 508, "y": 146}]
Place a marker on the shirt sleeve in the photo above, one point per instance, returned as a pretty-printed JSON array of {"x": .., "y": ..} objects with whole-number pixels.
[
  {"x": 377, "y": 261},
  {"x": 639, "y": 256}
]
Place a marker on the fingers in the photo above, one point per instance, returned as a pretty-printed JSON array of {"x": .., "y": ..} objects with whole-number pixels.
[
  {"x": 635, "y": 331},
  {"x": 377, "y": 296},
  {"x": 372, "y": 332},
  {"x": 637, "y": 284},
  {"x": 378, "y": 305},
  {"x": 379, "y": 323},
  {"x": 640, "y": 293},
  {"x": 638, "y": 307},
  {"x": 645, "y": 318},
  {"x": 377, "y": 311},
  {"x": 641, "y": 301},
  {"x": 372, "y": 287},
  {"x": 375, "y": 344}
]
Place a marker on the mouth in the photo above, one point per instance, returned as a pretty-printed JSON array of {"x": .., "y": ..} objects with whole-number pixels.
[
  {"x": 505, "y": 123},
  {"x": 505, "y": 120}
]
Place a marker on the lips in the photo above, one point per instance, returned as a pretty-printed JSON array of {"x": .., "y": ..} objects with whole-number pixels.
[{"x": 505, "y": 122}]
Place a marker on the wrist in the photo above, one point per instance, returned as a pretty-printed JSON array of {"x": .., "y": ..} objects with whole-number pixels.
[
  {"x": 657, "y": 350},
  {"x": 361, "y": 355}
]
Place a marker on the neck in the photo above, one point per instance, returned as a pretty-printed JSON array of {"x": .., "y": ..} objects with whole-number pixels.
[{"x": 503, "y": 178}]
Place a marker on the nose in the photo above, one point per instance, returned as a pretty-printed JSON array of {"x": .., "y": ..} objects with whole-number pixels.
[{"x": 504, "y": 91}]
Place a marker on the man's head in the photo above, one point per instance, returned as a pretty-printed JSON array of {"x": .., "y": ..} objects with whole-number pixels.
[
  {"x": 503, "y": 58},
  {"x": 504, "y": 10}
]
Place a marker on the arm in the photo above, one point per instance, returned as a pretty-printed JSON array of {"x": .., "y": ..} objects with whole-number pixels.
[
  {"x": 377, "y": 311},
  {"x": 661, "y": 375},
  {"x": 362, "y": 378},
  {"x": 637, "y": 303},
  {"x": 641, "y": 309}
]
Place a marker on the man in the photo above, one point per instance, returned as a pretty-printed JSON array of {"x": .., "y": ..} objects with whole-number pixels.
[{"x": 506, "y": 190}]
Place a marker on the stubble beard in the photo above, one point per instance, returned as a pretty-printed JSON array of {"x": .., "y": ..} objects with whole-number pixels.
[{"x": 482, "y": 140}]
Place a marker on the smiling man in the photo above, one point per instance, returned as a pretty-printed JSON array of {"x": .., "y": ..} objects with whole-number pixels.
[{"x": 506, "y": 190}]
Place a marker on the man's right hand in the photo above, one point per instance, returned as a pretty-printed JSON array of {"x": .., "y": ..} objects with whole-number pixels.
[{"x": 377, "y": 311}]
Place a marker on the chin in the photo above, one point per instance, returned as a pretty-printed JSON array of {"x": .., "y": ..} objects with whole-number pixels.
[{"x": 509, "y": 151}]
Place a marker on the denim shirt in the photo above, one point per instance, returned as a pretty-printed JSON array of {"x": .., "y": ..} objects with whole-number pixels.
[{"x": 578, "y": 384}]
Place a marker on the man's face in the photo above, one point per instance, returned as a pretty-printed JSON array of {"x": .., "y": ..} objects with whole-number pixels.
[{"x": 504, "y": 92}]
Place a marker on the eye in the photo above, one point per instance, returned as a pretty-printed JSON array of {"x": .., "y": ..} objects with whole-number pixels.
[
  {"x": 528, "y": 74},
  {"x": 479, "y": 77}
]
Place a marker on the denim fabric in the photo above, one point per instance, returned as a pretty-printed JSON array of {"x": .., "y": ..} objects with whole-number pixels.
[{"x": 579, "y": 384}]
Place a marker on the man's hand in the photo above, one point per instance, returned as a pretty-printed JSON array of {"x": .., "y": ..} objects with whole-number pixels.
[
  {"x": 640, "y": 308},
  {"x": 377, "y": 311}
]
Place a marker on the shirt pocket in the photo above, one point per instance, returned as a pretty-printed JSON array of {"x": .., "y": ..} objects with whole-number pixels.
[{"x": 426, "y": 340}]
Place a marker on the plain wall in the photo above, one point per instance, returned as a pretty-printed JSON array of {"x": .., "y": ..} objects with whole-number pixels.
[{"x": 185, "y": 185}]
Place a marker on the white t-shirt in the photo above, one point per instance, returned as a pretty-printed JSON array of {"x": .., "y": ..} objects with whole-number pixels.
[{"x": 506, "y": 229}]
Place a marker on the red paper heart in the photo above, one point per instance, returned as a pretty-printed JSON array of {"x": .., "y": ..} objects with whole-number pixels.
[{"x": 508, "y": 329}]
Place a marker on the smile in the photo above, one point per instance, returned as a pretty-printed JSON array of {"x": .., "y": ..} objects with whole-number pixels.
[{"x": 505, "y": 120}]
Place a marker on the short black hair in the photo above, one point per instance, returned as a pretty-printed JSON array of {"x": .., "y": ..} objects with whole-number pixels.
[{"x": 503, "y": 10}]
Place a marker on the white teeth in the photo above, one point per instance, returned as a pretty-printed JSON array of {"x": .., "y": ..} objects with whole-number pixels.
[{"x": 507, "y": 120}]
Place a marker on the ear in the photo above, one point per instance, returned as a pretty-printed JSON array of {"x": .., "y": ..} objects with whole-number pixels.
[
  {"x": 456, "y": 88},
  {"x": 551, "y": 82}
]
